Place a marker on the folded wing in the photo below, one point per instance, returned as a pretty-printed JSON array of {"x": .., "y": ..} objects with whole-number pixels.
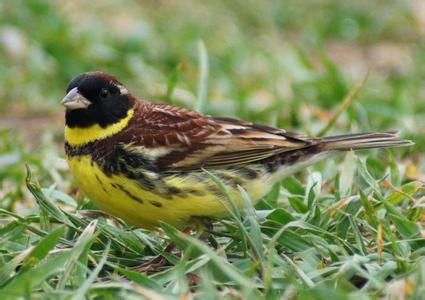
[{"x": 184, "y": 139}]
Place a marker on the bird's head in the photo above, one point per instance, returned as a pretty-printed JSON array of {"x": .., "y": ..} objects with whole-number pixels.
[{"x": 95, "y": 98}]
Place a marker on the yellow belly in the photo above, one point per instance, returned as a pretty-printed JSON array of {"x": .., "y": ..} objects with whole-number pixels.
[{"x": 125, "y": 198}]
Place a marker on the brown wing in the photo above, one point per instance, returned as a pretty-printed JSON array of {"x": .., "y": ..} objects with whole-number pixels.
[
  {"x": 251, "y": 142},
  {"x": 184, "y": 139}
]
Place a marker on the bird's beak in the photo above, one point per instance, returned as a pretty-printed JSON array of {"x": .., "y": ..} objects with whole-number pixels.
[{"x": 74, "y": 100}]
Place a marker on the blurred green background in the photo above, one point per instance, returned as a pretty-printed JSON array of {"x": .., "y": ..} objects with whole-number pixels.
[{"x": 282, "y": 63}]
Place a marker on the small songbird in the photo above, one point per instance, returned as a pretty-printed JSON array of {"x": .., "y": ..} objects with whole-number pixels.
[{"x": 147, "y": 162}]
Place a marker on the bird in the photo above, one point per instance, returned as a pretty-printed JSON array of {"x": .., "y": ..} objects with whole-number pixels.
[{"x": 148, "y": 163}]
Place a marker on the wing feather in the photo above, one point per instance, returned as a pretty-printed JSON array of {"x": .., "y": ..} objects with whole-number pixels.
[{"x": 196, "y": 140}]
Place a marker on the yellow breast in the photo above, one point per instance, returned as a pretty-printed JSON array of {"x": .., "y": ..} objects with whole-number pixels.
[{"x": 124, "y": 198}]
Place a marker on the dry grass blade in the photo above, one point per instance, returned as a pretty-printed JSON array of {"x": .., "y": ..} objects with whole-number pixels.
[{"x": 344, "y": 105}]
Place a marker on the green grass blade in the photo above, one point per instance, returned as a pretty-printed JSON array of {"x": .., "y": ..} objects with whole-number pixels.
[
  {"x": 218, "y": 261},
  {"x": 42, "y": 248},
  {"x": 24, "y": 283},
  {"x": 203, "y": 77},
  {"x": 82, "y": 290},
  {"x": 79, "y": 249}
]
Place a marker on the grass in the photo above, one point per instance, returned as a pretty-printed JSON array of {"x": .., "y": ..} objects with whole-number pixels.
[{"x": 348, "y": 228}]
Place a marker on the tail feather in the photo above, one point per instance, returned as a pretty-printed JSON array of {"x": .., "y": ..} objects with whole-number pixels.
[{"x": 364, "y": 141}]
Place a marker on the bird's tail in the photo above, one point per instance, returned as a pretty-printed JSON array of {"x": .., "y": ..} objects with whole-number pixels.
[{"x": 364, "y": 141}]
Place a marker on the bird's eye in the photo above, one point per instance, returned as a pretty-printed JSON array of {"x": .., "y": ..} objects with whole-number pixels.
[{"x": 104, "y": 93}]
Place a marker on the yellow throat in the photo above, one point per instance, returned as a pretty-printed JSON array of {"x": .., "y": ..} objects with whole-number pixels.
[{"x": 80, "y": 136}]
